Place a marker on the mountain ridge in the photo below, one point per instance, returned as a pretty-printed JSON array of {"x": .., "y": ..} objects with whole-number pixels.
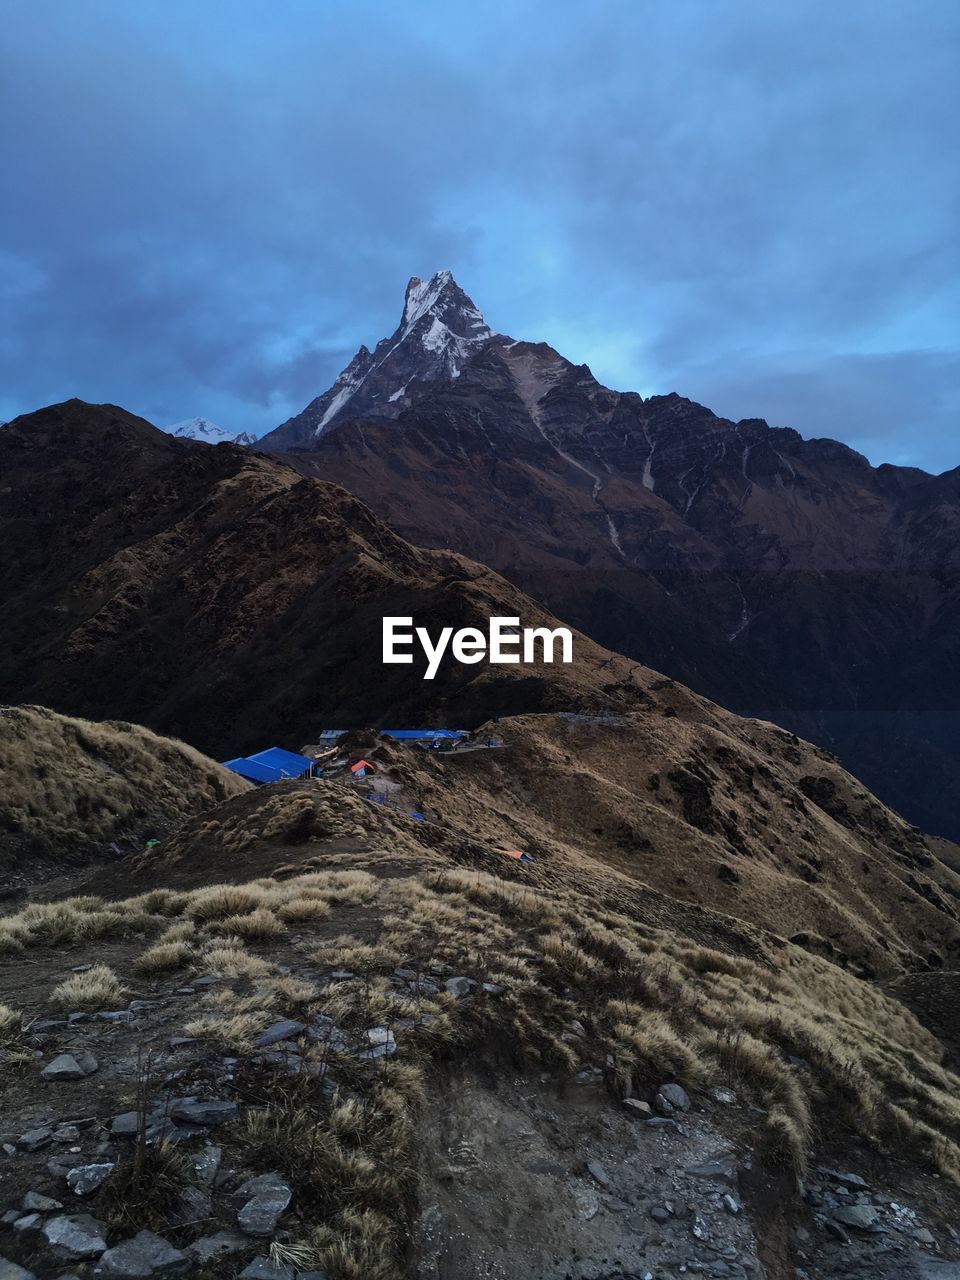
[{"x": 783, "y": 577}]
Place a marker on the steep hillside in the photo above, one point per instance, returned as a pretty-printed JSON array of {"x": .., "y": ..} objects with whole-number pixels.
[
  {"x": 359, "y": 1043},
  {"x": 783, "y": 577},
  {"x": 71, "y": 789},
  {"x": 217, "y": 595},
  {"x": 730, "y": 817}
]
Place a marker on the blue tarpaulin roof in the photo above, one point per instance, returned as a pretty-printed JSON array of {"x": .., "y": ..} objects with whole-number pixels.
[
  {"x": 252, "y": 770},
  {"x": 288, "y": 763},
  {"x": 432, "y": 734}
]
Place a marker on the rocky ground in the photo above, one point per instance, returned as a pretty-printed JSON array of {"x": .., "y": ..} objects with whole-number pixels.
[{"x": 522, "y": 1176}]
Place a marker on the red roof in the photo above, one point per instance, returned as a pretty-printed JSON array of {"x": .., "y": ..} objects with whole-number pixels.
[{"x": 362, "y": 764}]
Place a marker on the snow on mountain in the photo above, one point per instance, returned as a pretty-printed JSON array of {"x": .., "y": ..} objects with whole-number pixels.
[
  {"x": 207, "y": 431},
  {"x": 439, "y": 331}
]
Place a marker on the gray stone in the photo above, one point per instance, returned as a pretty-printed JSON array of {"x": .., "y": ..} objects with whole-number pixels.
[
  {"x": 587, "y": 1203},
  {"x": 88, "y": 1178},
  {"x": 719, "y": 1093},
  {"x": 598, "y": 1173},
  {"x": 30, "y": 1222},
  {"x": 385, "y": 1050},
  {"x": 144, "y": 1255},
  {"x": 222, "y": 1245},
  {"x": 34, "y": 1202},
  {"x": 126, "y": 1125},
  {"x": 206, "y": 1164},
  {"x": 660, "y": 1214},
  {"x": 924, "y": 1236},
  {"x": 380, "y": 1035},
  {"x": 663, "y": 1122},
  {"x": 731, "y": 1204},
  {"x": 700, "y": 1228},
  {"x": 116, "y": 1015},
  {"x": 66, "y": 1133},
  {"x": 81, "y": 968},
  {"x": 671, "y": 1098},
  {"x": 458, "y": 987},
  {"x": 75, "y": 1236},
  {"x": 861, "y": 1216},
  {"x": 845, "y": 1179},
  {"x": 10, "y": 1271},
  {"x": 35, "y": 1139},
  {"x": 270, "y": 1195},
  {"x": 181, "y": 1042},
  {"x": 639, "y": 1110},
  {"x": 208, "y": 980},
  {"x": 193, "y": 1206},
  {"x": 264, "y": 1269},
  {"x": 493, "y": 989},
  {"x": 286, "y": 1030},
  {"x": 215, "y": 1111},
  {"x": 70, "y": 1066},
  {"x": 305, "y": 1275}
]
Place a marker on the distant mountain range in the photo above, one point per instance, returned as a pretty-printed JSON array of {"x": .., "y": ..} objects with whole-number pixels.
[
  {"x": 207, "y": 431},
  {"x": 785, "y": 578}
]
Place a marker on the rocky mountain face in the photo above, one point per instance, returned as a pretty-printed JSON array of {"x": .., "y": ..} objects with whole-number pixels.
[
  {"x": 785, "y": 578},
  {"x": 207, "y": 431},
  {"x": 439, "y": 331}
]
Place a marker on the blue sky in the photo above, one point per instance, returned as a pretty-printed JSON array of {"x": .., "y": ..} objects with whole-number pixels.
[{"x": 210, "y": 206}]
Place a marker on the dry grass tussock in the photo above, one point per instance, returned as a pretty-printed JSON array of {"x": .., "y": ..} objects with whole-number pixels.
[
  {"x": 98, "y": 988},
  {"x": 72, "y": 786},
  {"x": 654, "y": 1006}
]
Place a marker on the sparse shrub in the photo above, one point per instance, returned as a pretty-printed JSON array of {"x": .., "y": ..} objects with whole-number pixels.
[
  {"x": 233, "y": 962},
  {"x": 9, "y": 1024},
  {"x": 222, "y": 900},
  {"x": 164, "y": 957},
  {"x": 302, "y": 909},
  {"x": 260, "y": 925},
  {"x": 98, "y": 988}
]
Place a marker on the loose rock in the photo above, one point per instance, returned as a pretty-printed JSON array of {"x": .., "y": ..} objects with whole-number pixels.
[
  {"x": 35, "y": 1139},
  {"x": 264, "y": 1269},
  {"x": 34, "y": 1202},
  {"x": 216, "y": 1111},
  {"x": 222, "y": 1245},
  {"x": 640, "y": 1110},
  {"x": 270, "y": 1196},
  {"x": 10, "y": 1271},
  {"x": 861, "y": 1216},
  {"x": 70, "y": 1066},
  {"x": 286, "y": 1030},
  {"x": 670, "y": 1098},
  {"x": 75, "y": 1236},
  {"x": 88, "y": 1178},
  {"x": 145, "y": 1255}
]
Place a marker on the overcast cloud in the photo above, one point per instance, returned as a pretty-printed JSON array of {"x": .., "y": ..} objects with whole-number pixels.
[{"x": 210, "y": 206}]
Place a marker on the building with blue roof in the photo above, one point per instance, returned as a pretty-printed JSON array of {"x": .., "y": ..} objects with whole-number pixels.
[{"x": 272, "y": 765}]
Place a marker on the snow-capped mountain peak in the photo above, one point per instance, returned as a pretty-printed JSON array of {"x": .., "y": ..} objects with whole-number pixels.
[
  {"x": 439, "y": 331},
  {"x": 207, "y": 431}
]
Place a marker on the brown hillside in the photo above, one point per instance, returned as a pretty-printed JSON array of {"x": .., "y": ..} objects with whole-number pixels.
[
  {"x": 71, "y": 788},
  {"x": 217, "y": 595}
]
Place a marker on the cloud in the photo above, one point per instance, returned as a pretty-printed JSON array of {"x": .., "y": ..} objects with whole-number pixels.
[{"x": 212, "y": 207}]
